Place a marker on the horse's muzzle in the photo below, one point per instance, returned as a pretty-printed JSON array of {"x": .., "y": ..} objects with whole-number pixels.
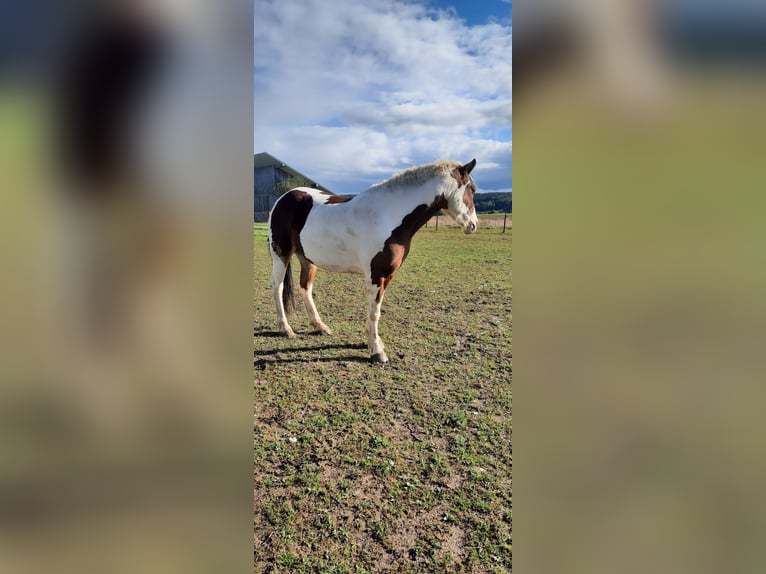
[{"x": 469, "y": 228}]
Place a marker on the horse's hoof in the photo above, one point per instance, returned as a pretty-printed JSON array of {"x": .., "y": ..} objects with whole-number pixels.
[
  {"x": 323, "y": 329},
  {"x": 379, "y": 358},
  {"x": 289, "y": 334}
]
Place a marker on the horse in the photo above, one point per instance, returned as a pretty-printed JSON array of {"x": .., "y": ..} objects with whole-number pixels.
[{"x": 368, "y": 234}]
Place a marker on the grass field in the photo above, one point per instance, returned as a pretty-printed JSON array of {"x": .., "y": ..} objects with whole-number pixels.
[{"x": 403, "y": 467}]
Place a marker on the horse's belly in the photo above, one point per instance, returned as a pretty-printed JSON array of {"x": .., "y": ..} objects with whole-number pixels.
[{"x": 333, "y": 252}]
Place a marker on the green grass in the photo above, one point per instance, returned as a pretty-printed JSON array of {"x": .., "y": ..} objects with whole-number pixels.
[{"x": 400, "y": 467}]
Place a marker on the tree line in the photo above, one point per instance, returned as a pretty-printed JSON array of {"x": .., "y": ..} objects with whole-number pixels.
[{"x": 493, "y": 201}]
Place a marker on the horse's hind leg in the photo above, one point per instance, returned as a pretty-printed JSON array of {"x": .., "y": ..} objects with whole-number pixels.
[
  {"x": 278, "y": 272},
  {"x": 308, "y": 272}
]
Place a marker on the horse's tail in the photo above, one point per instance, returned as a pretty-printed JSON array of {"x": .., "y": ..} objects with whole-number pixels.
[{"x": 288, "y": 293}]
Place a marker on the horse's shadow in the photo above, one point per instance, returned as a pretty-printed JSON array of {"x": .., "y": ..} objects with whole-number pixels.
[
  {"x": 296, "y": 352},
  {"x": 274, "y": 334},
  {"x": 262, "y": 363}
]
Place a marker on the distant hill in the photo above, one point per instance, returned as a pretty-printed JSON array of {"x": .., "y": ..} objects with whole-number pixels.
[{"x": 493, "y": 201}]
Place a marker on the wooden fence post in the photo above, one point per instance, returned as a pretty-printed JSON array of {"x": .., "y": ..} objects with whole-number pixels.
[
  {"x": 505, "y": 216},
  {"x": 437, "y": 223}
]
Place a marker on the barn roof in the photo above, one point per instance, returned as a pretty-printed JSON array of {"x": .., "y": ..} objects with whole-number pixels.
[{"x": 264, "y": 159}]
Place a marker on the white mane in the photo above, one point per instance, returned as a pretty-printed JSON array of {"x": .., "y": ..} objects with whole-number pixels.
[{"x": 417, "y": 175}]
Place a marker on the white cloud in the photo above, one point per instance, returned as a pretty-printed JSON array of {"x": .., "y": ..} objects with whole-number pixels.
[{"x": 349, "y": 92}]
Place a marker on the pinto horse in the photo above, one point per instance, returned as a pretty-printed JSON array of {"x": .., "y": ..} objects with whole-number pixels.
[{"x": 368, "y": 234}]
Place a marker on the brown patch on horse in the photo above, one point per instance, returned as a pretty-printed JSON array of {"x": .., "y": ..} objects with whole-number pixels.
[
  {"x": 308, "y": 271},
  {"x": 385, "y": 282},
  {"x": 395, "y": 249},
  {"x": 287, "y": 220},
  {"x": 468, "y": 194},
  {"x": 333, "y": 199}
]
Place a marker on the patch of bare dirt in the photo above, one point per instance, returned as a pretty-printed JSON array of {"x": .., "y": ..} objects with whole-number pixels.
[
  {"x": 454, "y": 544},
  {"x": 454, "y": 482},
  {"x": 410, "y": 527}
]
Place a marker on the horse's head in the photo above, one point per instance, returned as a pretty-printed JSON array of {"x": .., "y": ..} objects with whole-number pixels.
[{"x": 460, "y": 201}]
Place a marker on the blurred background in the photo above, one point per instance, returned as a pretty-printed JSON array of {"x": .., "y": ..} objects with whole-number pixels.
[
  {"x": 126, "y": 286},
  {"x": 126, "y": 305},
  {"x": 639, "y": 281}
]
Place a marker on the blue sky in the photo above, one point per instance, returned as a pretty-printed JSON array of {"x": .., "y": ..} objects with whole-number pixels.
[
  {"x": 477, "y": 12},
  {"x": 351, "y": 92}
]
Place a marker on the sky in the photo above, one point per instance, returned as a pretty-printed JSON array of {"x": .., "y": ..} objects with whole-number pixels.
[{"x": 350, "y": 92}]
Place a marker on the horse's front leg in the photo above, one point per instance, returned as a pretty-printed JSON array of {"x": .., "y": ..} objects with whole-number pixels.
[{"x": 375, "y": 296}]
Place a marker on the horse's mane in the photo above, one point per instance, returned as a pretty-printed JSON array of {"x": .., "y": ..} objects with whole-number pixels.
[{"x": 417, "y": 175}]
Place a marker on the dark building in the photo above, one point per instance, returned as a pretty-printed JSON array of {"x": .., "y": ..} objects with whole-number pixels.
[{"x": 272, "y": 177}]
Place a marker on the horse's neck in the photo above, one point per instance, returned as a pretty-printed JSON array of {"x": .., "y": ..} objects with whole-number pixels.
[
  {"x": 428, "y": 204},
  {"x": 406, "y": 200},
  {"x": 408, "y": 209}
]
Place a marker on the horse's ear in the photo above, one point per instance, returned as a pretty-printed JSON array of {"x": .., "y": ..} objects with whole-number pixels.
[{"x": 467, "y": 168}]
